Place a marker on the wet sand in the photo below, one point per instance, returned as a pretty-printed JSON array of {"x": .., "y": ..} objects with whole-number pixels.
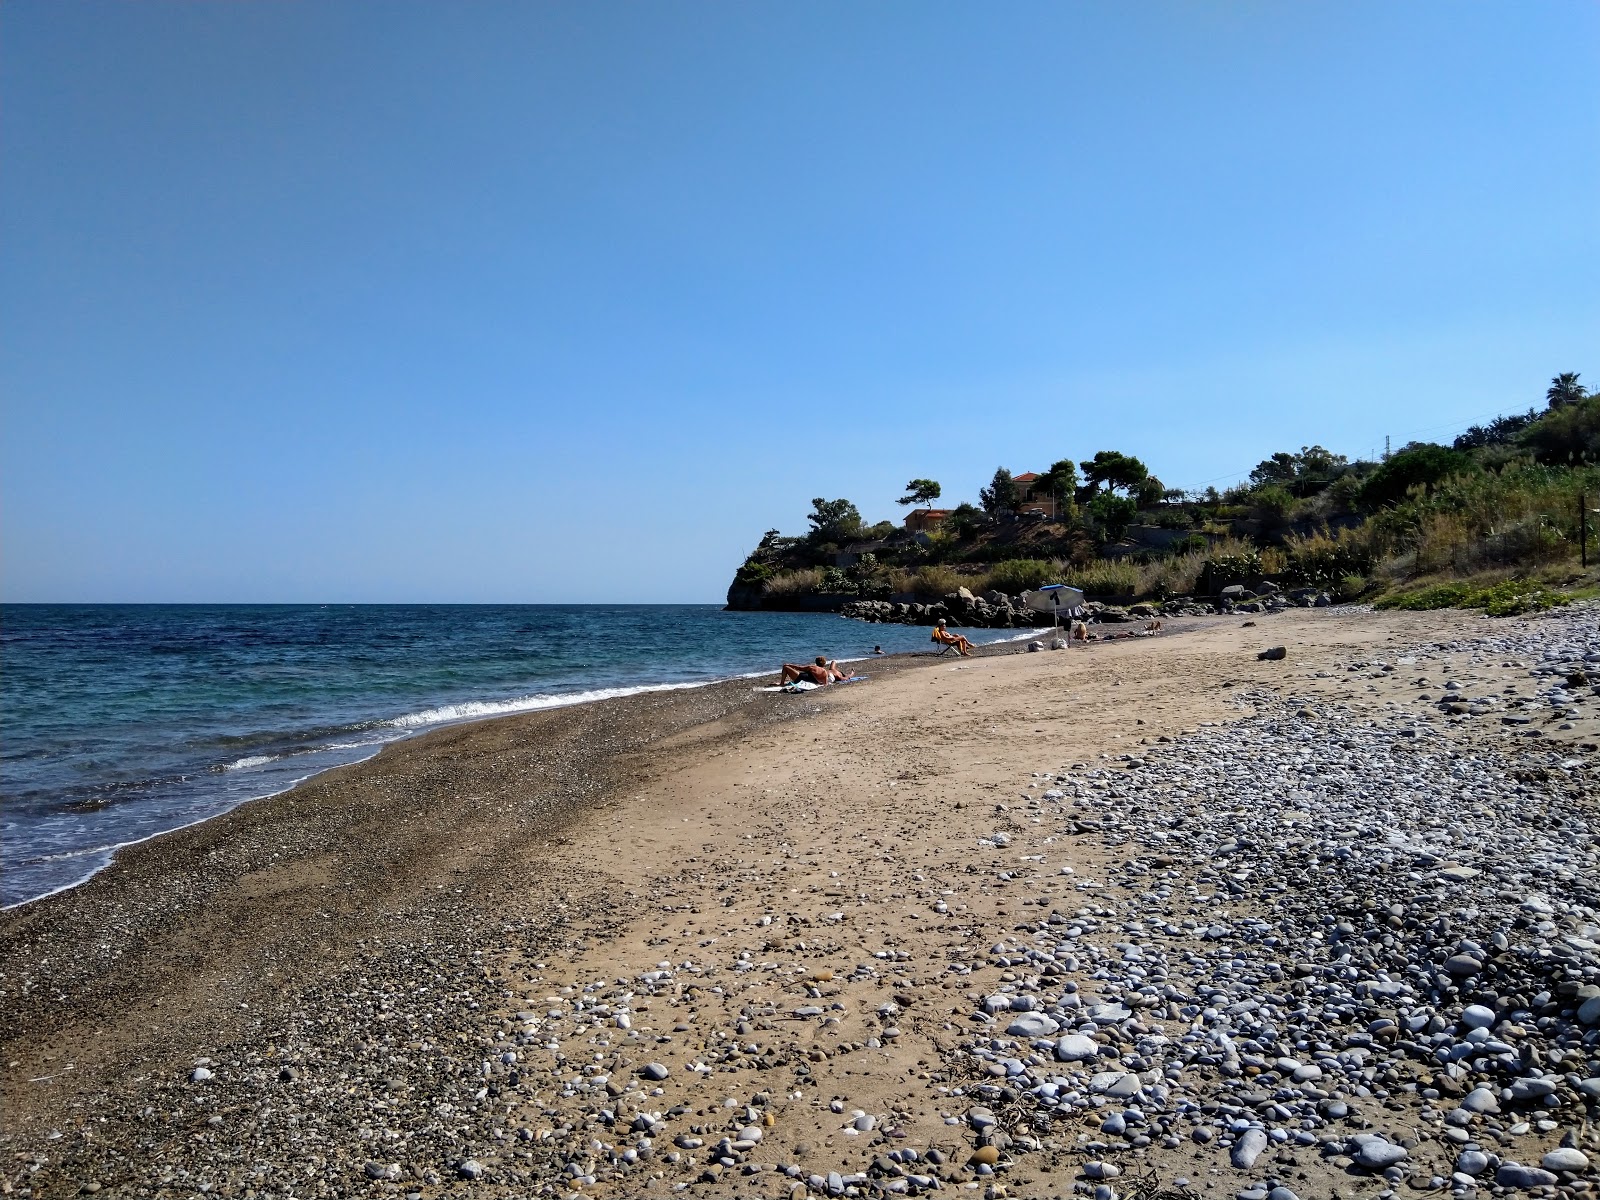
[{"x": 348, "y": 988}]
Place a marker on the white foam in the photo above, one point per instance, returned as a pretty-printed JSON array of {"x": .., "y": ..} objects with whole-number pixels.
[
  {"x": 474, "y": 709},
  {"x": 255, "y": 760}
]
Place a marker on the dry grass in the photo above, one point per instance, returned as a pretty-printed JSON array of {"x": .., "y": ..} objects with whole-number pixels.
[{"x": 794, "y": 583}]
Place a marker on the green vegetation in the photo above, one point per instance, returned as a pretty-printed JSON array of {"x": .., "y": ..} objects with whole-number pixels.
[
  {"x": 921, "y": 491},
  {"x": 1490, "y": 521},
  {"x": 1507, "y": 598}
]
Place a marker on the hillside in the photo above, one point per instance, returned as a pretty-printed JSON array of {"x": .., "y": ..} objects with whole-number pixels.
[{"x": 1498, "y": 509}]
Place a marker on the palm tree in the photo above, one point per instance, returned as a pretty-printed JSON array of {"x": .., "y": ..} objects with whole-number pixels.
[{"x": 1565, "y": 389}]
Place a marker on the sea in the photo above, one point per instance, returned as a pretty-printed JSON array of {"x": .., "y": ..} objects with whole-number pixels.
[{"x": 119, "y": 723}]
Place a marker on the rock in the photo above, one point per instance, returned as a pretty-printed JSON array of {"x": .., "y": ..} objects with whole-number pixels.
[
  {"x": 1472, "y": 1162},
  {"x": 981, "y": 1120},
  {"x": 1376, "y": 1154},
  {"x": 1077, "y": 1047},
  {"x": 377, "y": 1170},
  {"x": 1459, "y": 875},
  {"x": 1515, "y": 1175},
  {"x": 201, "y": 1074},
  {"x": 469, "y": 1168},
  {"x": 1119, "y": 1085},
  {"x": 1095, "y": 1169},
  {"x": 1476, "y": 1016},
  {"x": 1032, "y": 1025},
  {"x": 1530, "y": 1087},
  {"x": 1480, "y": 1100},
  {"x": 655, "y": 1071},
  {"x": 985, "y": 1156},
  {"x": 1589, "y": 1011},
  {"x": 1462, "y": 966},
  {"x": 1565, "y": 1158},
  {"x": 1248, "y": 1148},
  {"x": 1273, "y": 654}
]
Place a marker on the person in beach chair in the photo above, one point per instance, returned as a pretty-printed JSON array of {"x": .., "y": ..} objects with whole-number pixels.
[
  {"x": 821, "y": 672},
  {"x": 949, "y": 640}
]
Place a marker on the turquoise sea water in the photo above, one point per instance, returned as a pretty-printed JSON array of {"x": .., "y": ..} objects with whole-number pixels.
[{"x": 120, "y": 722}]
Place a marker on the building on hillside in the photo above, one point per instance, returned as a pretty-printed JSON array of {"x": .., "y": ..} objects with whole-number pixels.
[
  {"x": 1033, "y": 497},
  {"x": 922, "y": 520}
]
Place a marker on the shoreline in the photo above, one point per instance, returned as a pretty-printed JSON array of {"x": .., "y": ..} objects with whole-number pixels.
[
  {"x": 359, "y": 955},
  {"x": 406, "y": 726}
]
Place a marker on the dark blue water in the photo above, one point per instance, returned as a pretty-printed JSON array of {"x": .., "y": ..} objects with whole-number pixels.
[{"x": 121, "y": 722}]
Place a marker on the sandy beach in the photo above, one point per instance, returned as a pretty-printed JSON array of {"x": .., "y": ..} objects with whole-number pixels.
[{"x": 1149, "y": 917}]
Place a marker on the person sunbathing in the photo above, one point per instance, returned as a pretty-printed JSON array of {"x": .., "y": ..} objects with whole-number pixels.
[
  {"x": 822, "y": 672},
  {"x": 945, "y": 638}
]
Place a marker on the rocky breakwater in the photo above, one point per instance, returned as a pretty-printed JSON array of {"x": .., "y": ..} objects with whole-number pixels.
[{"x": 996, "y": 610}]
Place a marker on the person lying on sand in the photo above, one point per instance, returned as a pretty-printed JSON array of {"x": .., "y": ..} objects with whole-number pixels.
[
  {"x": 821, "y": 672},
  {"x": 945, "y": 638}
]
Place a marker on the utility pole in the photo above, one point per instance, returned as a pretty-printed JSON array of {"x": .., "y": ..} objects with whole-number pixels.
[
  {"x": 1386, "y": 447},
  {"x": 1583, "y": 530}
]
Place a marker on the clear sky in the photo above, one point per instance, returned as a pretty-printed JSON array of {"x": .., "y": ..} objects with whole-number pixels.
[{"x": 397, "y": 301}]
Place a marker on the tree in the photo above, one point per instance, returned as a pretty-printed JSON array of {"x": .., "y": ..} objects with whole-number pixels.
[
  {"x": 1565, "y": 389},
  {"x": 921, "y": 491},
  {"x": 1113, "y": 513},
  {"x": 1570, "y": 434},
  {"x": 963, "y": 519},
  {"x": 1001, "y": 494},
  {"x": 1418, "y": 463},
  {"x": 1115, "y": 470},
  {"x": 1317, "y": 462},
  {"x": 1279, "y": 467},
  {"x": 1150, "y": 492},
  {"x": 1501, "y": 431},
  {"x": 1313, "y": 462},
  {"x": 1060, "y": 482},
  {"x": 833, "y": 520}
]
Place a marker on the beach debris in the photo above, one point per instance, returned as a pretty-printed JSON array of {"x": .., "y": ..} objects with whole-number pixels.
[{"x": 1273, "y": 654}]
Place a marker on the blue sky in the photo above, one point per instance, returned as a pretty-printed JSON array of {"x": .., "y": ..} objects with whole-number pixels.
[{"x": 552, "y": 302}]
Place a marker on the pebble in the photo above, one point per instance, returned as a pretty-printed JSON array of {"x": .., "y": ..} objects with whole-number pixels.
[
  {"x": 1566, "y": 1158},
  {"x": 1248, "y": 1148},
  {"x": 1514, "y": 1175}
]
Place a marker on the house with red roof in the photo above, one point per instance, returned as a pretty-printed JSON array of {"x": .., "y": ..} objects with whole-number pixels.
[{"x": 1033, "y": 496}]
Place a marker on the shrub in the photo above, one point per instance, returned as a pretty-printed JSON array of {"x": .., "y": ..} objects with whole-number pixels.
[
  {"x": 1175, "y": 576},
  {"x": 1270, "y": 505},
  {"x": 1021, "y": 575},
  {"x": 1569, "y": 434},
  {"x": 1508, "y": 598},
  {"x": 752, "y": 574},
  {"x": 1321, "y": 560},
  {"x": 834, "y": 579},
  {"x": 803, "y": 582},
  {"x": 1105, "y": 579},
  {"x": 1113, "y": 513},
  {"x": 1350, "y": 587},
  {"x": 1422, "y": 465},
  {"x": 934, "y": 582}
]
